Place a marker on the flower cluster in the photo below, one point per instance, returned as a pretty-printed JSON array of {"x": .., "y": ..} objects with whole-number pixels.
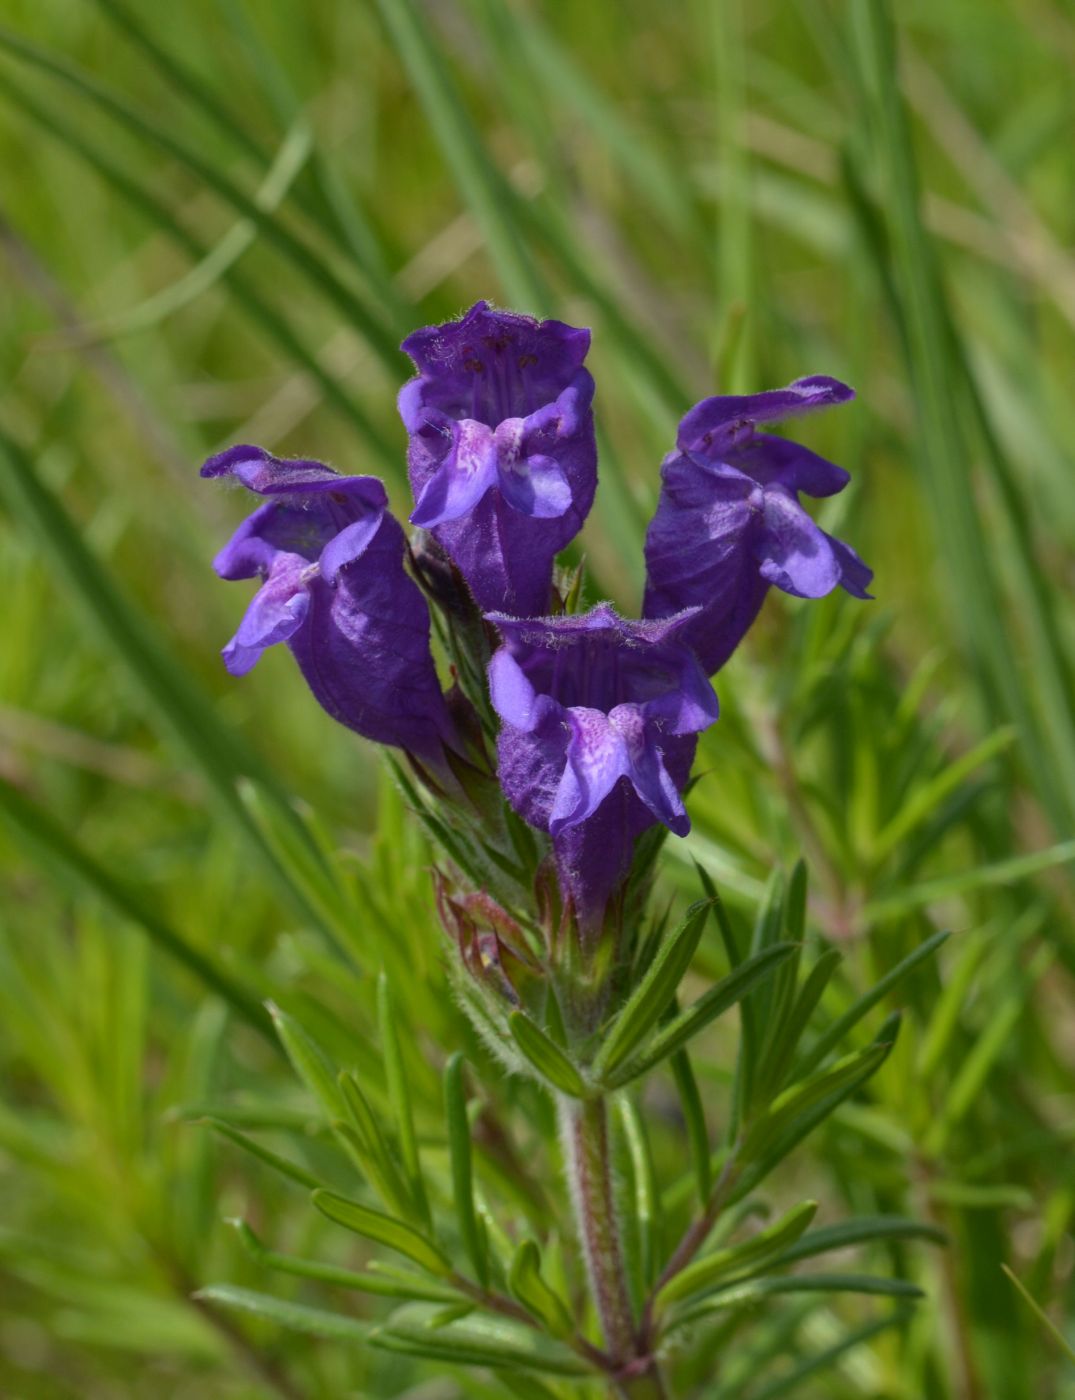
[{"x": 598, "y": 715}]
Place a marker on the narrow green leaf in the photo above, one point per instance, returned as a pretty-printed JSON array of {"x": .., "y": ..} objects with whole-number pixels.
[
  {"x": 725, "y": 994},
  {"x": 309, "y": 867},
  {"x": 738, "y": 1260},
  {"x": 546, "y": 1056},
  {"x": 387, "y": 1286},
  {"x": 298, "y": 1317},
  {"x": 173, "y": 297},
  {"x": 271, "y": 1159},
  {"x": 795, "y": 903},
  {"x": 690, "y": 1101},
  {"x": 528, "y": 1286},
  {"x": 379, "y": 1161},
  {"x": 386, "y": 1230},
  {"x": 865, "y": 1230},
  {"x": 740, "y": 1295},
  {"x": 647, "y": 1003},
  {"x": 786, "y": 1137},
  {"x": 554, "y": 67},
  {"x": 246, "y": 292},
  {"x": 309, "y": 1062},
  {"x": 791, "y": 1027},
  {"x": 797, "y": 1101},
  {"x": 400, "y": 1095},
  {"x": 183, "y": 79},
  {"x": 647, "y": 1201},
  {"x": 865, "y": 1003},
  {"x": 459, "y": 1148},
  {"x": 478, "y": 1341},
  {"x": 764, "y": 1005},
  {"x": 969, "y": 547},
  {"x": 727, "y": 932},
  {"x": 526, "y": 1387},
  {"x": 995, "y": 1039}
]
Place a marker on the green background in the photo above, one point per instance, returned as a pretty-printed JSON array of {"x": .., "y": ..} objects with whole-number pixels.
[{"x": 217, "y": 222}]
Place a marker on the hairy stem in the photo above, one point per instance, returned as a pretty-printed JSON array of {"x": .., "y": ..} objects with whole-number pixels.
[{"x": 586, "y": 1146}]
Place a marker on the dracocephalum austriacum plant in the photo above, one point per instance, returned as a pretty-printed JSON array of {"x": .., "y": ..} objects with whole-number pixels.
[{"x": 546, "y": 747}]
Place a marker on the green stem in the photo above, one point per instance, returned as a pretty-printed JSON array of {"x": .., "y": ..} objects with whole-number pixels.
[{"x": 586, "y": 1151}]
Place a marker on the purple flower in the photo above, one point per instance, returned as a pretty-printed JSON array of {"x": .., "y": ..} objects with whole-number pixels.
[
  {"x": 331, "y": 557},
  {"x": 729, "y": 523},
  {"x": 502, "y": 456},
  {"x": 600, "y": 717}
]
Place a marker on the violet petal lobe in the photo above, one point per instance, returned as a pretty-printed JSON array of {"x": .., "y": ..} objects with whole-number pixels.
[
  {"x": 721, "y": 420},
  {"x": 729, "y": 522},
  {"x": 599, "y": 719},
  {"x": 501, "y": 455},
  {"x": 276, "y": 612},
  {"x": 792, "y": 551},
  {"x": 335, "y": 589}
]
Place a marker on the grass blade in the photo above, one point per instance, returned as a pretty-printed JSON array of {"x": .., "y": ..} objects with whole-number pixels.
[
  {"x": 936, "y": 364},
  {"x": 33, "y": 824},
  {"x": 479, "y": 181},
  {"x": 246, "y": 292},
  {"x": 290, "y": 245}
]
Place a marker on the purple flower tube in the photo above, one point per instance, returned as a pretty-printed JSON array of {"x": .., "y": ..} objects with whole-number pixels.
[
  {"x": 600, "y": 722},
  {"x": 331, "y": 557},
  {"x": 502, "y": 456},
  {"x": 729, "y": 523}
]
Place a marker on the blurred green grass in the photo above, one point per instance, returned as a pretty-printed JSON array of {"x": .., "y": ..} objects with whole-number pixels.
[{"x": 730, "y": 196}]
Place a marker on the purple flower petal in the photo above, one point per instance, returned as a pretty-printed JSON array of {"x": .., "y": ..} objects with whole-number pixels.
[
  {"x": 596, "y": 760},
  {"x": 855, "y": 576},
  {"x": 793, "y": 552},
  {"x": 776, "y": 461},
  {"x": 531, "y": 483},
  {"x": 266, "y": 475},
  {"x": 717, "y": 423},
  {"x": 728, "y": 523},
  {"x": 276, "y": 612},
  {"x": 461, "y": 480},
  {"x": 336, "y": 591},
  {"x": 599, "y": 713},
  {"x": 491, "y": 365},
  {"x": 654, "y": 784},
  {"x": 349, "y": 545},
  {"x": 502, "y": 517}
]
